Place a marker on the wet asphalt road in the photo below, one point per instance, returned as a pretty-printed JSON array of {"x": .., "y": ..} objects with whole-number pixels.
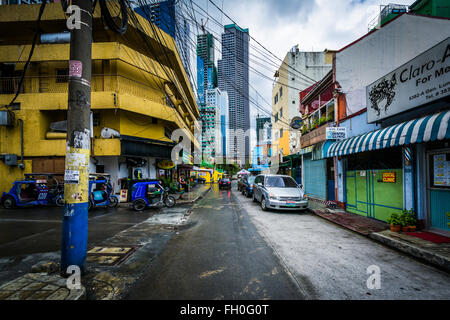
[
  {"x": 33, "y": 230},
  {"x": 221, "y": 257}
]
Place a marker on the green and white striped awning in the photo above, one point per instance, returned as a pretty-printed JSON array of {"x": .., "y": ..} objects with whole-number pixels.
[{"x": 429, "y": 128}]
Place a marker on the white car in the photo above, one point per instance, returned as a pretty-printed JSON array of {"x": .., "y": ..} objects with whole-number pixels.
[{"x": 279, "y": 192}]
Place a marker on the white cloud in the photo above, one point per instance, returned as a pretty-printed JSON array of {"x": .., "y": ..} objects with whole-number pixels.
[{"x": 279, "y": 25}]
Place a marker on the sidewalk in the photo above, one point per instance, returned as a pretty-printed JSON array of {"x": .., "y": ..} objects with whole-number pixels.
[
  {"x": 112, "y": 265},
  {"x": 437, "y": 254},
  {"x": 194, "y": 194}
]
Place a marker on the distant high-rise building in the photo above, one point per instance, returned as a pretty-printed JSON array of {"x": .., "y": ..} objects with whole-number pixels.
[
  {"x": 206, "y": 70},
  {"x": 164, "y": 15},
  {"x": 233, "y": 77},
  {"x": 260, "y": 126},
  {"x": 213, "y": 123}
]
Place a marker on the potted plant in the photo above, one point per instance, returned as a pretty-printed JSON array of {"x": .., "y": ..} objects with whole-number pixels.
[
  {"x": 395, "y": 222},
  {"x": 409, "y": 221},
  {"x": 322, "y": 120}
]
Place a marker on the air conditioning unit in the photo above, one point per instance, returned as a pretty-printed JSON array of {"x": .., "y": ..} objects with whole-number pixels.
[{"x": 7, "y": 118}]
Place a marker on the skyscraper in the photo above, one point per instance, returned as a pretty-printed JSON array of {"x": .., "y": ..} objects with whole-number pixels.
[
  {"x": 260, "y": 121},
  {"x": 164, "y": 15},
  {"x": 206, "y": 70},
  {"x": 233, "y": 75}
]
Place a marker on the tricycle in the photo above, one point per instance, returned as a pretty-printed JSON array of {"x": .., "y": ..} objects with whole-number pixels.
[
  {"x": 33, "y": 191},
  {"x": 151, "y": 194},
  {"x": 101, "y": 192}
]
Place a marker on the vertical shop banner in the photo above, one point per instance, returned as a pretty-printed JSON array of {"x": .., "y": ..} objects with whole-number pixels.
[{"x": 441, "y": 170}]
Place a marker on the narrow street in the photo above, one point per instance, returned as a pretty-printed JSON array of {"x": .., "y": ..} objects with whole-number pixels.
[
  {"x": 228, "y": 254},
  {"x": 221, "y": 257}
]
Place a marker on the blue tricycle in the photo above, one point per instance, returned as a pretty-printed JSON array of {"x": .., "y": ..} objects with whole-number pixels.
[
  {"x": 33, "y": 191},
  {"x": 101, "y": 192},
  {"x": 150, "y": 194}
]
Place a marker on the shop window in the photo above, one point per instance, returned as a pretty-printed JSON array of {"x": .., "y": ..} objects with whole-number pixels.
[{"x": 390, "y": 158}]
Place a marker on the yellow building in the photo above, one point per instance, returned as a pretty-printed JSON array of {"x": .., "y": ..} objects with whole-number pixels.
[
  {"x": 298, "y": 71},
  {"x": 132, "y": 94}
]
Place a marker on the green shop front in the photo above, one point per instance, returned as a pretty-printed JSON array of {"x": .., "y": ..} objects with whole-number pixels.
[{"x": 405, "y": 165}]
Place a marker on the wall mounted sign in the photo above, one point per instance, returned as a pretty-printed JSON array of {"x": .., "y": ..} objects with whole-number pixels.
[
  {"x": 296, "y": 123},
  {"x": 422, "y": 80},
  {"x": 166, "y": 164},
  {"x": 389, "y": 177},
  {"x": 336, "y": 133}
]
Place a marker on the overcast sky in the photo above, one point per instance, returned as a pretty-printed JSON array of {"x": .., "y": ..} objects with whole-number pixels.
[{"x": 279, "y": 25}]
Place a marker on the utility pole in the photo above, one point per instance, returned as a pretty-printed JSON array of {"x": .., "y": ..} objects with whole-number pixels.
[{"x": 76, "y": 177}]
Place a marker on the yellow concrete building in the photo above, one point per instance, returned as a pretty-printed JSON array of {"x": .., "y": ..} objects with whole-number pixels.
[{"x": 131, "y": 94}]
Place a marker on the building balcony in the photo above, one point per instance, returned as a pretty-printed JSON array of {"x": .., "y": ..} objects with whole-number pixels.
[
  {"x": 99, "y": 83},
  {"x": 315, "y": 124}
]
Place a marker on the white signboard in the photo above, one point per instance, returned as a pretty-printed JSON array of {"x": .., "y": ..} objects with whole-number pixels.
[
  {"x": 422, "y": 80},
  {"x": 336, "y": 133},
  {"x": 72, "y": 176}
]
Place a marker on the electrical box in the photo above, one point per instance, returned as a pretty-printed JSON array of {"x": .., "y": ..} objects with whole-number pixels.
[
  {"x": 6, "y": 118},
  {"x": 11, "y": 159}
]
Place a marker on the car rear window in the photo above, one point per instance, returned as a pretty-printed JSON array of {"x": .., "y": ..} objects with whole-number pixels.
[
  {"x": 226, "y": 180},
  {"x": 281, "y": 182}
]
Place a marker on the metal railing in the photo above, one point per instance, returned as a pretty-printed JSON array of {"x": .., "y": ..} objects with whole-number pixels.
[{"x": 99, "y": 83}]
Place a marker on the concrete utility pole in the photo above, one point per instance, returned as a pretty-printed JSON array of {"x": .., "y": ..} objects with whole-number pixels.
[{"x": 76, "y": 177}]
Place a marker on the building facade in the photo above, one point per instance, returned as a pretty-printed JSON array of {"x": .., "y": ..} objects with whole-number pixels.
[
  {"x": 233, "y": 77},
  {"x": 134, "y": 107},
  {"x": 395, "y": 115}
]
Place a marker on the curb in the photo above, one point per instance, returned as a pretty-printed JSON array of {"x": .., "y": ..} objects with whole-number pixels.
[
  {"x": 430, "y": 257},
  {"x": 196, "y": 199}
]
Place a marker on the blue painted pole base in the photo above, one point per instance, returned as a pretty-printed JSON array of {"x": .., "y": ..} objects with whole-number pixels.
[{"x": 74, "y": 236}]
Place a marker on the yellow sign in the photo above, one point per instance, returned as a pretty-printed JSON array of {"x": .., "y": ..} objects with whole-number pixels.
[
  {"x": 123, "y": 195},
  {"x": 389, "y": 177},
  {"x": 166, "y": 164}
]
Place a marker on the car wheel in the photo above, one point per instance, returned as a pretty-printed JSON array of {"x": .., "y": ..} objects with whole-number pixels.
[
  {"x": 263, "y": 204},
  {"x": 9, "y": 202},
  {"x": 139, "y": 204}
]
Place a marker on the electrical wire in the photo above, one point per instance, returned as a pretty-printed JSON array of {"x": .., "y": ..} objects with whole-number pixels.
[{"x": 33, "y": 45}]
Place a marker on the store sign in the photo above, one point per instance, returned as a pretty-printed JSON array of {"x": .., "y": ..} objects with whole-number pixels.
[
  {"x": 422, "y": 80},
  {"x": 166, "y": 164},
  {"x": 296, "y": 123},
  {"x": 336, "y": 133},
  {"x": 389, "y": 177}
]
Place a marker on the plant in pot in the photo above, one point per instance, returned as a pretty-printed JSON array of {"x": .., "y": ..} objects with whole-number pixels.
[
  {"x": 409, "y": 220},
  {"x": 322, "y": 120},
  {"x": 395, "y": 222}
]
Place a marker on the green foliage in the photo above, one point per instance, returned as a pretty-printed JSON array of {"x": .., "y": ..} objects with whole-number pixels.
[
  {"x": 407, "y": 218},
  {"x": 304, "y": 129},
  {"x": 323, "y": 120},
  {"x": 394, "y": 219}
]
